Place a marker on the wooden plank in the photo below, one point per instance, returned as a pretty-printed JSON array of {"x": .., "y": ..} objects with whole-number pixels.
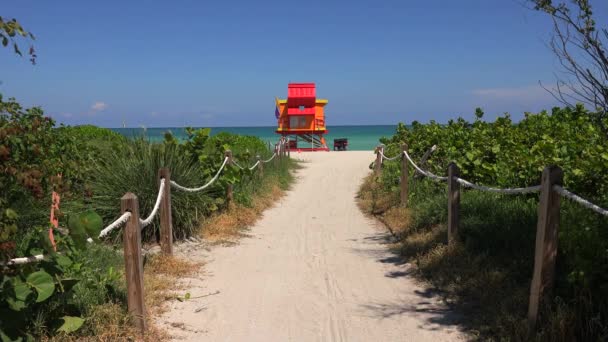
[
  {"x": 405, "y": 176},
  {"x": 134, "y": 268},
  {"x": 166, "y": 221},
  {"x": 546, "y": 242},
  {"x": 453, "y": 202}
]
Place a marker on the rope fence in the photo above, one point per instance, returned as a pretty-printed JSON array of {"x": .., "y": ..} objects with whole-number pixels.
[
  {"x": 150, "y": 217},
  {"x": 202, "y": 187},
  {"x": 130, "y": 218},
  {"x": 548, "y": 214}
]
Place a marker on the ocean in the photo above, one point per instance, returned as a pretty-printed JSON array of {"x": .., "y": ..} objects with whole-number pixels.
[{"x": 360, "y": 138}]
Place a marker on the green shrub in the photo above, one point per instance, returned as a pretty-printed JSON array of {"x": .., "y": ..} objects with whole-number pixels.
[{"x": 498, "y": 232}]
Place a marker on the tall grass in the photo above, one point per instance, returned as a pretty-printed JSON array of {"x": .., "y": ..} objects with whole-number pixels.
[{"x": 135, "y": 169}]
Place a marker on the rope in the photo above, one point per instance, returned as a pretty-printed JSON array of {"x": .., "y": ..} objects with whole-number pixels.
[
  {"x": 255, "y": 165},
  {"x": 119, "y": 221},
  {"x": 25, "y": 260},
  {"x": 387, "y": 158},
  {"x": 183, "y": 188},
  {"x": 576, "y": 198},
  {"x": 34, "y": 258},
  {"x": 509, "y": 191},
  {"x": 159, "y": 197},
  {"x": 237, "y": 164},
  {"x": 426, "y": 173},
  {"x": 271, "y": 158}
]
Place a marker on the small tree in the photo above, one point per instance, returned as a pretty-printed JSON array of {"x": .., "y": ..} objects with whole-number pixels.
[
  {"x": 9, "y": 31},
  {"x": 579, "y": 45}
]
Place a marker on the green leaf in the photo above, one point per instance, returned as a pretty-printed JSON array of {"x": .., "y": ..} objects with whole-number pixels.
[
  {"x": 92, "y": 223},
  {"x": 470, "y": 156},
  {"x": 68, "y": 284},
  {"x": 15, "y": 304},
  {"x": 22, "y": 290},
  {"x": 63, "y": 261},
  {"x": 77, "y": 231},
  {"x": 6, "y": 338},
  {"x": 43, "y": 283},
  {"x": 70, "y": 324}
]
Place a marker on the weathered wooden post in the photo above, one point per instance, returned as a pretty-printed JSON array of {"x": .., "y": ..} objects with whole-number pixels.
[
  {"x": 166, "y": 222},
  {"x": 453, "y": 202},
  {"x": 405, "y": 176},
  {"x": 260, "y": 165},
  {"x": 134, "y": 267},
  {"x": 278, "y": 155},
  {"x": 546, "y": 242},
  {"x": 229, "y": 186},
  {"x": 378, "y": 163}
]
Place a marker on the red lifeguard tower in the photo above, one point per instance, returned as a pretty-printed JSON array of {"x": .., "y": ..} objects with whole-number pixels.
[{"x": 301, "y": 118}]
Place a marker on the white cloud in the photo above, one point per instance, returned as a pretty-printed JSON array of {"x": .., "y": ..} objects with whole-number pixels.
[{"x": 98, "y": 106}]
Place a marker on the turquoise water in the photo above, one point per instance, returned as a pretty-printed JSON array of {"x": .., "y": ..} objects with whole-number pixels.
[{"x": 360, "y": 138}]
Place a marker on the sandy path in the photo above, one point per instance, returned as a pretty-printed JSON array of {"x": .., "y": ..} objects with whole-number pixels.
[{"x": 314, "y": 269}]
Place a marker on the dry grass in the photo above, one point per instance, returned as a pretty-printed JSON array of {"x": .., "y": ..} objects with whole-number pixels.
[
  {"x": 110, "y": 322},
  {"x": 373, "y": 199},
  {"x": 228, "y": 226},
  {"x": 161, "y": 280},
  {"x": 397, "y": 219}
]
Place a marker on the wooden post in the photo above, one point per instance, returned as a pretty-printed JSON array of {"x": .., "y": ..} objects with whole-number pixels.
[
  {"x": 134, "y": 267},
  {"x": 166, "y": 222},
  {"x": 229, "y": 186},
  {"x": 546, "y": 242},
  {"x": 405, "y": 177},
  {"x": 278, "y": 155},
  {"x": 453, "y": 202},
  {"x": 378, "y": 164},
  {"x": 288, "y": 149},
  {"x": 260, "y": 165}
]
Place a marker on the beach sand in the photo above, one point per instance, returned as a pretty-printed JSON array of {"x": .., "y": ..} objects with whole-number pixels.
[{"x": 313, "y": 269}]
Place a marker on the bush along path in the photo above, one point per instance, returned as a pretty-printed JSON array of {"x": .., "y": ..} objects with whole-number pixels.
[
  {"x": 62, "y": 282},
  {"x": 313, "y": 268},
  {"x": 479, "y": 246},
  {"x": 87, "y": 228}
]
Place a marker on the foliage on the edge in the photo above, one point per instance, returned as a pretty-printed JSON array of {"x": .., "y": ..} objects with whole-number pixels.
[
  {"x": 11, "y": 29},
  {"x": 501, "y": 229},
  {"x": 508, "y": 154},
  {"x": 36, "y": 159}
]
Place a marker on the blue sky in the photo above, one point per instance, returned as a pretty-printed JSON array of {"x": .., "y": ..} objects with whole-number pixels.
[{"x": 220, "y": 63}]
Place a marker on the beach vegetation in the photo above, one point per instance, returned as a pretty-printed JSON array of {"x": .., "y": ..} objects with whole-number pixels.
[
  {"x": 487, "y": 274},
  {"x": 78, "y": 285}
]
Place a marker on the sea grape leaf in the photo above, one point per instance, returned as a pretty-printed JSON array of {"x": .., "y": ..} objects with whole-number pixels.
[
  {"x": 70, "y": 324},
  {"x": 15, "y": 304},
  {"x": 77, "y": 231},
  {"x": 22, "y": 290},
  {"x": 43, "y": 283},
  {"x": 92, "y": 223}
]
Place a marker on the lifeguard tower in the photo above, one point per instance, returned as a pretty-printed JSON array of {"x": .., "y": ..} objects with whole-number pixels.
[{"x": 301, "y": 118}]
